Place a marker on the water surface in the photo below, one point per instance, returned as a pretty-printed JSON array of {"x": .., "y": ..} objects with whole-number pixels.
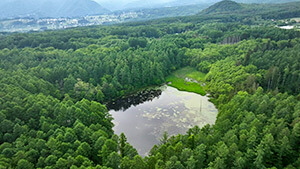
[{"x": 144, "y": 117}]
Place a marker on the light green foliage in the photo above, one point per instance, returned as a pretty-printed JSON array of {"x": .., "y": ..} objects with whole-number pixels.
[{"x": 180, "y": 79}]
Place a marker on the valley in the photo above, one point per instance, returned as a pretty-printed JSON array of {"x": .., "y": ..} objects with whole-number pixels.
[{"x": 43, "y": 24}]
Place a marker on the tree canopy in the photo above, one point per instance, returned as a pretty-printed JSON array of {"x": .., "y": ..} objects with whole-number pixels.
[{"x": 54, "y": 86}]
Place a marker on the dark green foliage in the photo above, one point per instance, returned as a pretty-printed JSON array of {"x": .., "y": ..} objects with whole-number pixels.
[
  {"x": 137, "y": 42},
  {"x": 223, "y": 6},
  {"x": 53, "y": 86}
]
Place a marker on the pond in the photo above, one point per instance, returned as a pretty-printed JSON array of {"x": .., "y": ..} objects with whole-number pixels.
[{"x": 145, "y": 116}]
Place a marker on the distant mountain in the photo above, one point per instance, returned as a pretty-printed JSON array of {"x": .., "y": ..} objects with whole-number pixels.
[
  {"x": 142, "y": 4},
  {"x": 49, "y": 8},
  {"x": 81, "y": 8},
  {"x": 154, "y": 13},
  {"x": 265, "y": 10},
  {"x": 75, "y": 8},
  {"x": 190, "y": 2},
  {"x": 265, "y": 1},
  {"x": 223, "y": 6},
  {"x": 145, "y": 4}
]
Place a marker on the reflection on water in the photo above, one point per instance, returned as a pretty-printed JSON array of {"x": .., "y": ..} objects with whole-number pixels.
[
  {"x": 134, "y": 100},
  {"x": 173, "y": 111}
]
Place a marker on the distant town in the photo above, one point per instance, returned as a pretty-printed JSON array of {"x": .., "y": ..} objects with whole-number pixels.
[{"x": 31, "y": 24}]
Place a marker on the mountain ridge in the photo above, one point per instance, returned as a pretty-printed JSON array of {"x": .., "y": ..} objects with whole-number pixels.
[
  {"x": 142, "y": 4},
  {"x": 50, "y": 8}
]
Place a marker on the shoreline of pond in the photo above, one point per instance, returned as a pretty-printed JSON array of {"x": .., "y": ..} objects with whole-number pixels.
[{"x": 166, "y": 109}]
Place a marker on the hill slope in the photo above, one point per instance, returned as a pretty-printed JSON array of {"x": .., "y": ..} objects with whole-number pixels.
[
  {"x": 265, "y": 1},
  {"x": 223, "y": 6},
  {"x": 49, "y": 8},
  {"x": 265, "y": 11}
]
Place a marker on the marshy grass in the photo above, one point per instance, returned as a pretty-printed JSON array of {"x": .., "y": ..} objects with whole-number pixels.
[{"x": 178, "y": 80}]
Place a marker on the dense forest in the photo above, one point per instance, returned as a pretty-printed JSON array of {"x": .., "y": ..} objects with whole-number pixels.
[{"x": 54, "y": 86}]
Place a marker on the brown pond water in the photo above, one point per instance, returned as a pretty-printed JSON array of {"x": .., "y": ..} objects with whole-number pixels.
[{"x": 145, "y": 116}]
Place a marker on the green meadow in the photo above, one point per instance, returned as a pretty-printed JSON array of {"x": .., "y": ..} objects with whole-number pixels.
[{"x": 178, "y": 80}]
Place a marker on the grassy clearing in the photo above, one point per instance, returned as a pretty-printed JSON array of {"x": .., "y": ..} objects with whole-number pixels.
[{"x": 177, "y": 80}]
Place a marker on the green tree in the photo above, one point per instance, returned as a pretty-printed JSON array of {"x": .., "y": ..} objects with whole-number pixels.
[
  {"x": 24, "y": 164},
  {"x": 138, "y": 162},
  {"x": 113, "y": 160},
  {"x": 123, "y": 141},
  {"x": 84, "y": 149}
]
